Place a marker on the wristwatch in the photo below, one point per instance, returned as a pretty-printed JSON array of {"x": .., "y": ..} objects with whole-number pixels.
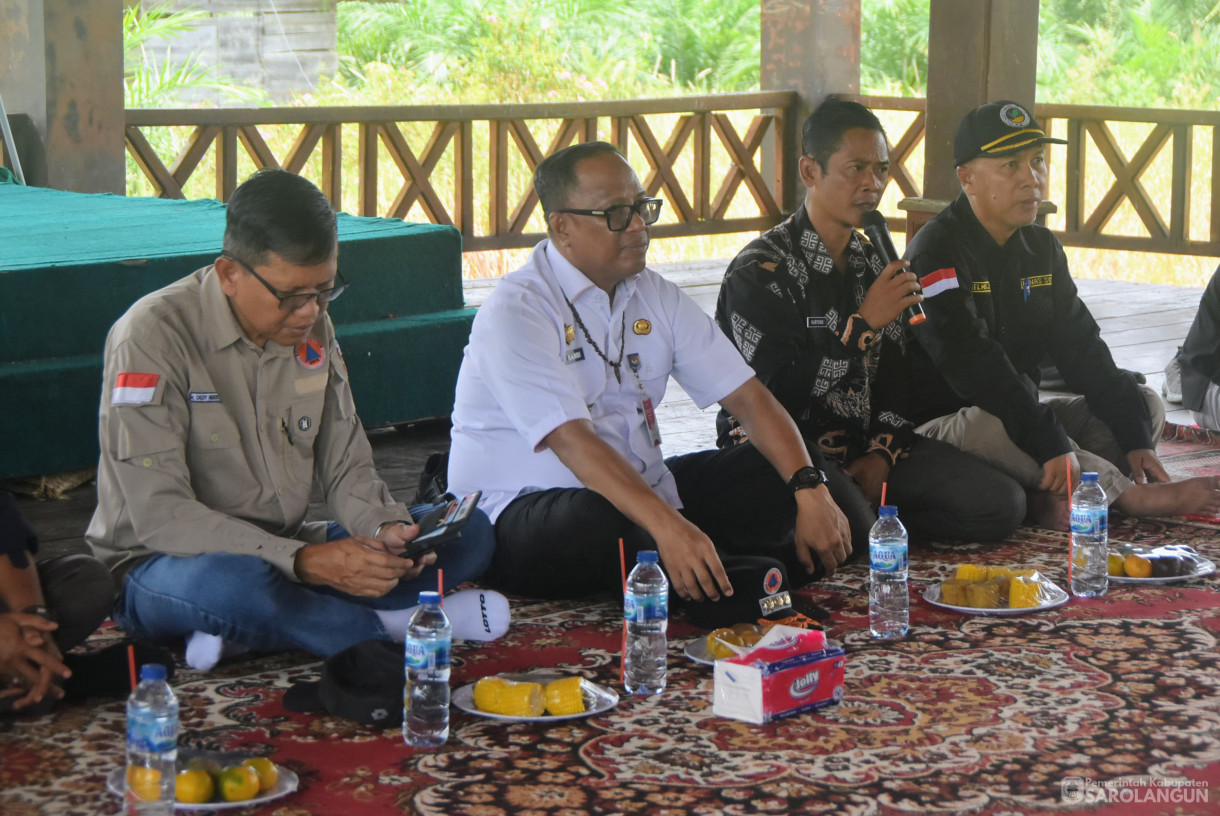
[
  {"x": 807, "y": 476},
  {"x": 389, "y": 523}
]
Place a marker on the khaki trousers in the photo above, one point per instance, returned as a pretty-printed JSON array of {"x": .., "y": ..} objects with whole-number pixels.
[{"x": 981, "y": 433}]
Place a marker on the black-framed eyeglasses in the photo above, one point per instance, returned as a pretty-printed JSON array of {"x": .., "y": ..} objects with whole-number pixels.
[
  {"x": 294, "y": 301},
  {"x": 618, "y": 217}
]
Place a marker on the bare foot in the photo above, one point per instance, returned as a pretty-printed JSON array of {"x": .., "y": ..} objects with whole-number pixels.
[
  {"x": 1047, "y": 509},
  {"x": 1199, "y": 496}
]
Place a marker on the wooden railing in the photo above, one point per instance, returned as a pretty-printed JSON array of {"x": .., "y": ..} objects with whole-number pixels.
[
  {"x": 714, "y": 147},
  {"x": 1099, "y": 175}
]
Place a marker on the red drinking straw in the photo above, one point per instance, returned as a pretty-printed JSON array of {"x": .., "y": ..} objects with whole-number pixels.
[
  {"x": 131, "y": 664},
  {"x": 622, "y": 565},
  {"x": 440, "y": 585},
  {"x": 884, "y": 485},
  {"x": 1067, "y": 465}
]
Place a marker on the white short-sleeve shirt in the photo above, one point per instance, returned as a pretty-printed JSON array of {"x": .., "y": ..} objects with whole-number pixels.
[{"x": 529, "y": 368}]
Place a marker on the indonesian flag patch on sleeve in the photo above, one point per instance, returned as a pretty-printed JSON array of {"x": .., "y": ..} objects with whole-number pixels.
[
  {"x": 134, "y": 388},
  {"x": 939, "y": 281}
]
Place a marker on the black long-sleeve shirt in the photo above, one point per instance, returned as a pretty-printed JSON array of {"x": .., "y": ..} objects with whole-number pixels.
[
  {"x": 793, "y": 317},
  {"x": 17, "y": 537},
  {"x": 994, "y": 312}
]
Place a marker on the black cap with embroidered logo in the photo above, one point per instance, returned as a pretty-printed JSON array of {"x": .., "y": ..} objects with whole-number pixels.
[
  {"x": 997, "y": 129},
  {"x": 362, "y": 683},
  {"x": 761, "y": 590}
]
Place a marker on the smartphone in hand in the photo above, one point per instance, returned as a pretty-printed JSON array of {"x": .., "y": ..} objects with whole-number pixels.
[{"x": 442, "y": 526}]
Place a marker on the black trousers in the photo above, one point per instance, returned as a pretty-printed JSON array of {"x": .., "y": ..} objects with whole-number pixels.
[
  {"x": 563, "y": 542},
  {"x": 941, "y": 493}
]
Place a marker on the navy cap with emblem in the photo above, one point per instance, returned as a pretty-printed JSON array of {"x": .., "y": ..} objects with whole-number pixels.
[{"x": 997, "y": 129}]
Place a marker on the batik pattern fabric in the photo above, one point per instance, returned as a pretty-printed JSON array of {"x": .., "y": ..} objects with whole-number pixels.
[{"x": 795, "y": 318}]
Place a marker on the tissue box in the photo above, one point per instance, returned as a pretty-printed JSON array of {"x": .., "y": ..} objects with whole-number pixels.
[{"x": 787, "y": 672}]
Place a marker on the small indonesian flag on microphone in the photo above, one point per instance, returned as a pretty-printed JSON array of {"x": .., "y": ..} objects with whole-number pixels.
[
  {"x": 939, "y": 281},
  {"x": 131, "y": 388}
]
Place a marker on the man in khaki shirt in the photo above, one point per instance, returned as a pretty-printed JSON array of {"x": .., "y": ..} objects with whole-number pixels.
[{"x": 223, "y": 394}]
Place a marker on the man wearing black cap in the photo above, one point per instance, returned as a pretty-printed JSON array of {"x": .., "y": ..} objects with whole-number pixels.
[{"x": 999, "y": 299}]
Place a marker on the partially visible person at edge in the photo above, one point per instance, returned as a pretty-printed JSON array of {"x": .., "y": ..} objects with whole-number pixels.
[
  {"x": 46, "y": 608},
  {"x": 814, "y": 309},
  {"x": 1198, "y": 360},
  {"x": 999, "y": 299},
  {"x": 224, "y": 395},
  {"x": 554, "y": 417}
]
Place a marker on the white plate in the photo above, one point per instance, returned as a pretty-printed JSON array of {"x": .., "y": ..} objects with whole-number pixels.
[
  {"x": 697, "y": 651},
  {"x": 286, "y": 784},
  {"x": 1204, "y": 567},
  {"x": 598, "y": 699},
  {"x": 1058, "y": 598}
]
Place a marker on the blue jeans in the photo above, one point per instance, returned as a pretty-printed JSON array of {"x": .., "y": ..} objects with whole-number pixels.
[{"x": 245, "y": 599}]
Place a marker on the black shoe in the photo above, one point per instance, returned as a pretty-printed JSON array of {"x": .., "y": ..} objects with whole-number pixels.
[{"x": 107, "y": 673}]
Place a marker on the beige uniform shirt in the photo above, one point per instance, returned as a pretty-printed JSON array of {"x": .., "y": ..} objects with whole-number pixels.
[{"x": 210, "y": 444}]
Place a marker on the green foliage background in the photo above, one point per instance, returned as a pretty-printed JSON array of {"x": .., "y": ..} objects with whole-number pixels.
[
  {"x": 1137, "y": 53},
  {"x": 1132, "y": 53}
]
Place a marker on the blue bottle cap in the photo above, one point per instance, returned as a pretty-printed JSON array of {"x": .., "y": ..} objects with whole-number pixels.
[
  {"x": 646, "y": 557},
  {"x": 152, "y": 671},
  {"x": 887, "y": 511},
  {"x": 430, "y": 598},
  {"x": 1088, "y": 477}
]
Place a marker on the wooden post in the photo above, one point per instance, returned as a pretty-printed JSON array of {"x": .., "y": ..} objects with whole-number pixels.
[
  {"x": 61, "y": 64},
  {"x": 811, "y": 47},
  {"x": 978, "y": 51}
]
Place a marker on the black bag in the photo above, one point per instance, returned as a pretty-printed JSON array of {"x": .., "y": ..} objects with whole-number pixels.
[{"x": 434, "y": 480}]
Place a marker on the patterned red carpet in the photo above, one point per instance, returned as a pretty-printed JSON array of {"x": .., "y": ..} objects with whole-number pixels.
[{"x": 1109, "y": 705}]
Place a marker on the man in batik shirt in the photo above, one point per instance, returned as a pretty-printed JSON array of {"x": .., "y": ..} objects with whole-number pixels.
[{"x": 814, "y": 309}]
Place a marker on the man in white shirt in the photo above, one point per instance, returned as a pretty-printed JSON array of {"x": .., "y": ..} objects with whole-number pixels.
[{"x": 554, "y": 417}]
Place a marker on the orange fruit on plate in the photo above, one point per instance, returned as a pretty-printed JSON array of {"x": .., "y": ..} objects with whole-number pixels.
[
  {"x": 144, "y": 782},
  {"x": 268, "y": 774},
  {"x": 239, "y": 783},
  {"x": 1114, "y": 565},
  {"x": 194, "y": 786},
  {"x": 1137, "y": 566}
]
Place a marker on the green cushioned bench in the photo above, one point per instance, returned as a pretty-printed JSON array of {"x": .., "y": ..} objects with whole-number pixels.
[{"x": 71, "y": 264}]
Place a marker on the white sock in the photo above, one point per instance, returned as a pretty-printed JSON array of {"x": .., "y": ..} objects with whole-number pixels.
[
  {"x": 203, "y": 651},
  {"x": 474, "y": 614}
]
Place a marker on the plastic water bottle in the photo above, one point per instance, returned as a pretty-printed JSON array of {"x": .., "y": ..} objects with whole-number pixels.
[
  {"x": 646, "y": 610},
  {"x": 425, "y": 722},
  {"x": 888, "y": 601},
  {"x": 152, "y": 745},
  {"x": 1090, "y": 538}
]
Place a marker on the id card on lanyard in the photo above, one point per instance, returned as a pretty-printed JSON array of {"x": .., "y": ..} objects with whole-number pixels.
[{"x": 646, "y": 406}]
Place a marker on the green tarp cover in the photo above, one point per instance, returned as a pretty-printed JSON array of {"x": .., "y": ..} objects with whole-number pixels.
[
  {"x": 84, "y": 259},
  {"x": 71, "y": 264}
]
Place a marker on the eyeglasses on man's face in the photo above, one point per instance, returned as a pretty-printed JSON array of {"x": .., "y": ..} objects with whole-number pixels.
[
  {"x": 296, "y": 300},
  {"x": 619, "y": 217}
]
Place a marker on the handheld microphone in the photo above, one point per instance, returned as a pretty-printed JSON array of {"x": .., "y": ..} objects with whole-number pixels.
[{"x": 878, "y": 233}]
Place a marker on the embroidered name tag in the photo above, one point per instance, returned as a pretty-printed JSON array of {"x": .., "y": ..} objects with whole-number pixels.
[
  {"x": 574, "y": 356},
  {"x": 1037, "y": 280},
  {"x": 981, "y": 287},
  {"x": 203, "y": 396},
  {"x": 817, "y": 322}
]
